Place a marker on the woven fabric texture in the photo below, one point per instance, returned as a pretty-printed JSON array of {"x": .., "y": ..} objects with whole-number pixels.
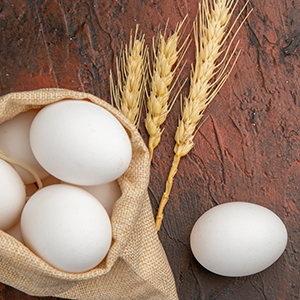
[{"x": 136, "y": 266}]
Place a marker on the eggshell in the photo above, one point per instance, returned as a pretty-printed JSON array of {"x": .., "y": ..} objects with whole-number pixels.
[
  {"x": 107, "y": 194},
  {"x": 238, "y": 239},
  {"x": 67, "y": 227},
  {"x": 14, "y": 141},
  {"x": 12, "y": 196},
  {"x": 15, "y": 232},
  {"x": 80, "y": 142}
]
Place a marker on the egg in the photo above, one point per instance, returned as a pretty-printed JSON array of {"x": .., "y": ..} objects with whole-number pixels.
[
  {"x": 67, "y": 227},
  {"x": 14, "y": 141},
  {"x": 80, "y": 142},
  {"x": 12, "y": 195},
  {"x": 107, "y": 194},
  {"x": 238, "y": 239},
  {"x": 15, "y": 232}
]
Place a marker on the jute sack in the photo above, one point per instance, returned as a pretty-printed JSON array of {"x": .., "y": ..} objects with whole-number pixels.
[{"x": 136, "y": 266}]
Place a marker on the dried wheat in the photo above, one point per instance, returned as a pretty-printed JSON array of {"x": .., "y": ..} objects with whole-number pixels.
[
  {"x": 167, "y": 56},
  {"x": 127, "y": 94},
  {"x": 13, "y": 162},
  {"x": 206, "y": 79}
]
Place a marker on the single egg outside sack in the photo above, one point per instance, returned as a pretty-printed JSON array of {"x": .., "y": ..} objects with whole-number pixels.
[
  {"x": 80, "y": 142},
  {"x": 67, "y": 227},
  {"x": 14, "y": 141},
  {"x": 12, "y": 196},
  {"x": 238, "y": 239}
]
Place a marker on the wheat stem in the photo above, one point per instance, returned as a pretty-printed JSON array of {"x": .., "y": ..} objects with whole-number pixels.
[
  {"x": 165, "y": 197},
  {"x": 12, "y": 162}
]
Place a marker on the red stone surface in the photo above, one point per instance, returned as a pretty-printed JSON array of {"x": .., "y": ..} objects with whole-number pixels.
[{"x": 248, "y": 149}]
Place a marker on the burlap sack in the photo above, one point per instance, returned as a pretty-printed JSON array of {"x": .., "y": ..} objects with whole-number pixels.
[{"x": 136, "y": 266}]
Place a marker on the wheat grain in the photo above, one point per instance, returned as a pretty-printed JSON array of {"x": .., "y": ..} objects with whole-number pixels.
[
  {"x": 128, "y": 94},
  {"x": 167, "y": 56},
  {"x": 206, "y": 79}
]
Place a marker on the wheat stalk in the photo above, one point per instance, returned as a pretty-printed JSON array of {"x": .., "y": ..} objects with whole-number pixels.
[
  {"x": 167, "y": 56},
  {"x": 206, "y": 79},
  {"x": 12, "y": 162},
  {"x": 128, "y": 94}
]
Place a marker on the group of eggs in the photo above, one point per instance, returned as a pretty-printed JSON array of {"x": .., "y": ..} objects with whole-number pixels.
[{"x": 79, "y": 150}]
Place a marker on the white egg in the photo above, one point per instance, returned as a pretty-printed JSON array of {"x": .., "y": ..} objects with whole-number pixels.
[
  {"x": 12, "y": 195},
  {"x": 238, "y": 239},
  {"x": 107, "y": 193},
  {"x": 15, "y": 232},
  {"x": 80, "y": 142},
  {"x": 67, "y": 227},
  {"x": 14, "y": 141}
]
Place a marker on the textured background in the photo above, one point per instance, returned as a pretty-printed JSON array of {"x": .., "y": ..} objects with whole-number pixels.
[{"x": 248, "y": 149}]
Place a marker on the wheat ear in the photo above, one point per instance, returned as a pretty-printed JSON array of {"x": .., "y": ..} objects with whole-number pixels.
[
  {"x": 206, "y": 79},
  {"x": 128, "y": 94},
  {"x": 167, "y": 56}
]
